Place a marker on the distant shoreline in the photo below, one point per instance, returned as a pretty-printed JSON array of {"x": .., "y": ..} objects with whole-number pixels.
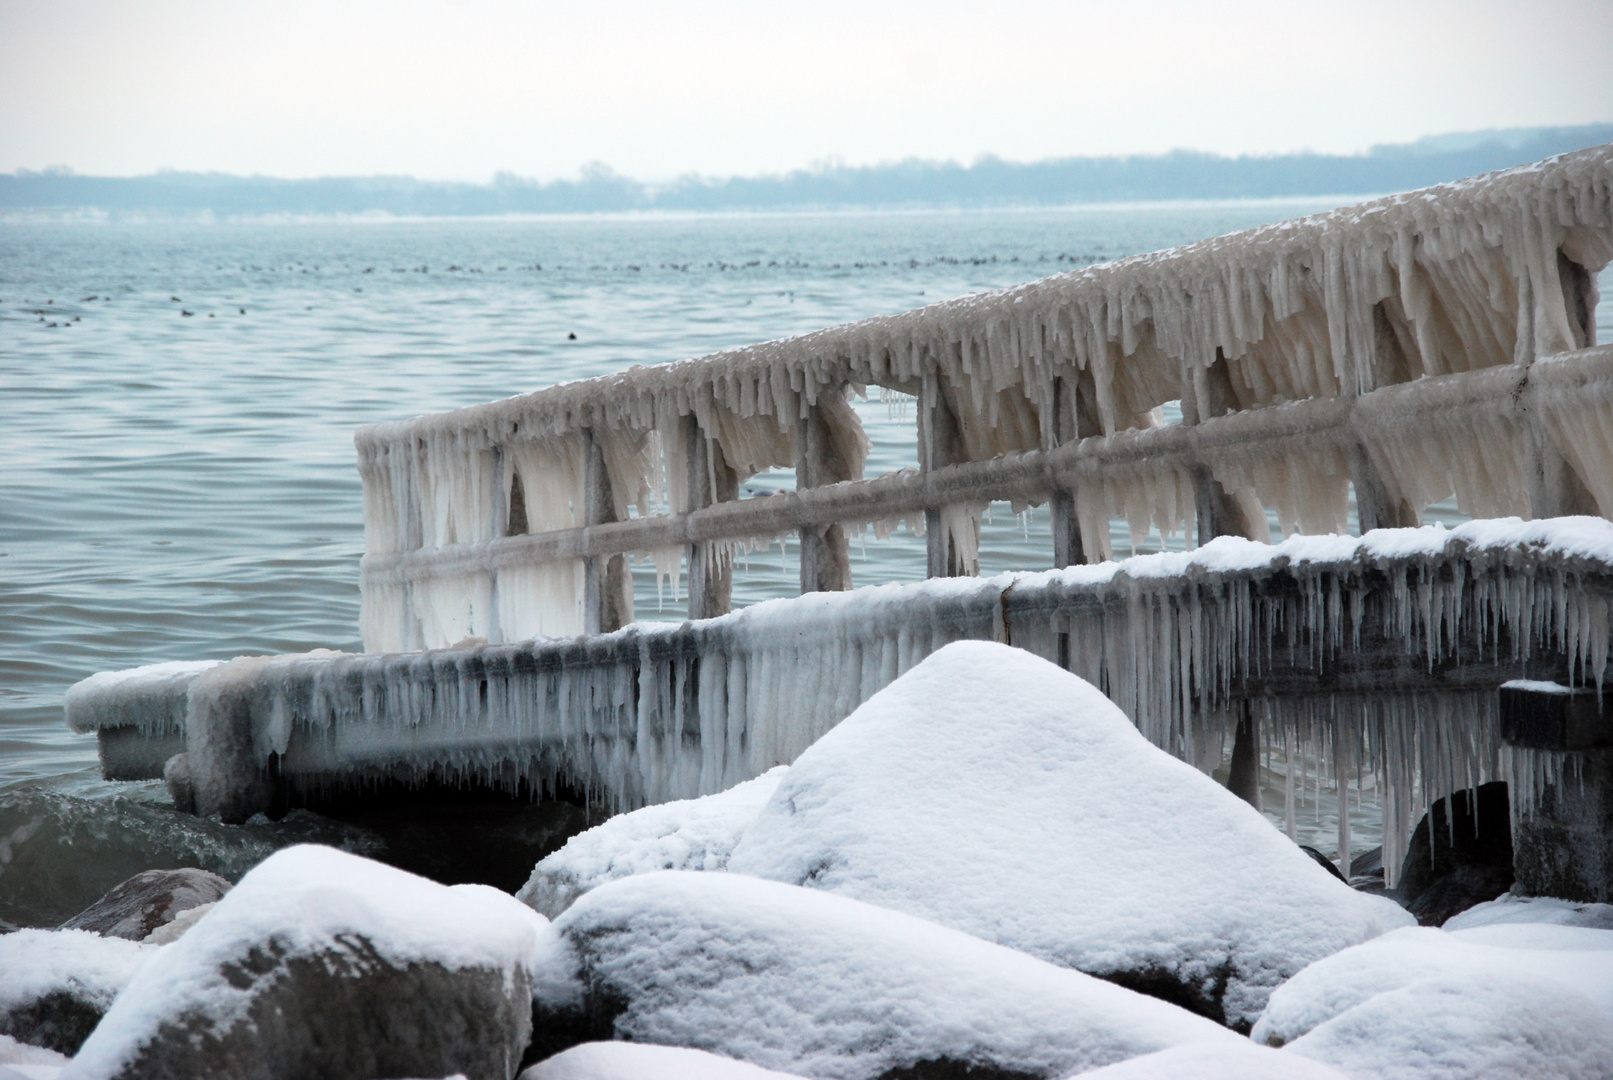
[
  {"x": 1181, "y": 177},
  {"x": 99, "y": 216}
]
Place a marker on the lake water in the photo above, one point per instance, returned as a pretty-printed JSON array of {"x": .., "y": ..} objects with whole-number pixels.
[{"x": 177, "y": 404}]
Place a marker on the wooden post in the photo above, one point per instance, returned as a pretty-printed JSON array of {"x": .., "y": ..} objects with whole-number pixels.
[
  {"x": 940, "y": 444},
  {"x": 1068, "y": 550},
  {"x": 1243, "y": 775},
  {"x": 825, "y": 554},
  {"x": 711, "y": 480},
  {"x": 1207, "y": 394},
  {"x": 607, "y": 586},
  {"x": 1373, "y": 504}
]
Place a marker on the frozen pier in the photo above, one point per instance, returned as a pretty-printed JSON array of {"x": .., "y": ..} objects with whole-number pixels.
[{"x": 1396, "y": 353}]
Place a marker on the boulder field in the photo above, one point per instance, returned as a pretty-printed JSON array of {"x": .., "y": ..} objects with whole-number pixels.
[{"x": 984, "y": 872}]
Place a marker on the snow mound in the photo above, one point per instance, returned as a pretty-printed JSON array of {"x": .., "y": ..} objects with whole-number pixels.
[
  {"x": 639, "y": 1061},
  {"x": 55, "y": 985},
  {"x": 807, "y": 982},
  {"x": 1518, "y": 1025},
  {"x": 991, "y": 791},
  {"x": 310, "y": 903},
  {"x": 14, "y": 1053},
  {"x": 1217, "y": 1061},
  {"x": 1533, "y": 909},
  {"x": 1423, "y": 1002},
  {"x": 690, "y": 834}
]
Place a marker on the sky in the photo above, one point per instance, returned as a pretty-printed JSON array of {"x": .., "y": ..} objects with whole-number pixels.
[{"x": 463, "y": 89}]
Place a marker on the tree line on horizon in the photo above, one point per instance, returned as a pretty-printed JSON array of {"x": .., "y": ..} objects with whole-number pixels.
[{"x": 988, "y": 182}]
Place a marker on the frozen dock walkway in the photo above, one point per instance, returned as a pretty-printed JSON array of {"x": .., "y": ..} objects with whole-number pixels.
[
  {"x": 1395, "y": 353},
  {"x": 1382, "y": 654}
]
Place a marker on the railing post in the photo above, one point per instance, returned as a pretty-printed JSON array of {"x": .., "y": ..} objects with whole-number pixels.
[
  {"x": 825, "y": 554},
  {"x": 607, "y": 595},
  {"x": 1068, "y": 550},
  {"x": 1207, "y": 394},
  {"x": 711, "y": 480},
  {"x": 1373, "y": 504},
  {"x": 940, "y": 444}
]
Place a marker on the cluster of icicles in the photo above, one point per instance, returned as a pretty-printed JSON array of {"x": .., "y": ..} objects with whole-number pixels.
[
  {"x": 1179, "y": 641},
  {"x": 1488, "y": 272}
]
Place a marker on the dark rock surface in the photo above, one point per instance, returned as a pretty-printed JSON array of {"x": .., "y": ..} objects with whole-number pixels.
[
  {"x": 1459, "y": 890},
  {"x": 1322, "y": 860},
  {"x": 134, "y": 908},
  {"x": 55, "y": 985},
  {"x": 1366, "y": 870},
  {"x": 347, "y": 1012},
  {"x": 321, "y": 964},
  {"x": 1565, "y": 845},
  {"x": 1468, "y": 834}
]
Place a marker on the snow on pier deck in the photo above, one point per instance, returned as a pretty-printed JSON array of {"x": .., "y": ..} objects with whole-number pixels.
[
  {"x": 1381, "y": 654},
  {"x": 1430, "y": 344}
]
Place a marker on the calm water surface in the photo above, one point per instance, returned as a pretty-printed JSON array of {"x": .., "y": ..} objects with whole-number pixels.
[{"x": 177, "y": 473}]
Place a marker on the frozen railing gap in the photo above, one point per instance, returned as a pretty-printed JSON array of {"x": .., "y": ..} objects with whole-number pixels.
[{"x": 509, "y": 519}]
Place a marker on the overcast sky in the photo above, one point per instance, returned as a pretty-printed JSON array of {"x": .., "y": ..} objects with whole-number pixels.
[{"x": 460, "y": 89}]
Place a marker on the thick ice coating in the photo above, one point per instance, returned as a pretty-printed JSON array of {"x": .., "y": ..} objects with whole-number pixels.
[
  {"x": 654, "y": 713},
  {"x": 689, "y": 834},
  {"x": 311, "y": 901},
  {"x": 1493, "y": 271},
  {"x": 149, "y": 698},
  {"x": 807, "y": 982},
  {"x": 993, "y": 792}
]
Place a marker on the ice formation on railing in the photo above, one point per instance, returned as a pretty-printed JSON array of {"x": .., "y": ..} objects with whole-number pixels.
[
  {"x": 1496, "y": 270},
  {"x": 1183, "y": 642}
]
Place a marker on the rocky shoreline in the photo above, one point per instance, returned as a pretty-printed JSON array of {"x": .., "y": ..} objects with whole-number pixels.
[{"x": 984, "y": 872}]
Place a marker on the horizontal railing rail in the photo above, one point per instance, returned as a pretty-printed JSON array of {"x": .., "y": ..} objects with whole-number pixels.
[{"x": 1033, "y": 475}]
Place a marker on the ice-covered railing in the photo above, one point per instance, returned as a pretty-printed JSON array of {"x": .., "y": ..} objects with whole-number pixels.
[
  {"x": 1376, "y": 660},
  {"x": 509, "y": 519}
]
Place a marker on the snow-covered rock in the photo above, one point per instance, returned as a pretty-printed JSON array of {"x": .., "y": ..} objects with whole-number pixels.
[
  {"x": 55, "y": 985},
  {"x": 14, "y": 1053},
  {"x": 1534, "y": 909},
  {"x": 171, "y": 931},
  {"x": 641, "y": 1061},
  {"x": 1241, "y": 1060},
  {"x": 321, "y": 963},
  {"x": 1529, "y": 1000},
  {"x": 991, "y": 791},
  {"x": 690, "y": 834},
  {"x": 807, "y": 982},
  {"x": 147, "y": 901}
]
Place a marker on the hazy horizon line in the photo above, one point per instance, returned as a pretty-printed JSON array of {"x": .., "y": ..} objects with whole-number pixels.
[{"x": 989, "y": 181}]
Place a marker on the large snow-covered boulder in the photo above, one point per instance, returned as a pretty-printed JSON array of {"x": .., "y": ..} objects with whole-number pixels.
[
  {"x": 641, "y": 1061},
  {"x": 807, "y": 982},
  {"x": 137, "y": 907},
  {"x": 992, "y": 791},
  {"x": 690, "y": 834},
  {"x": 55, "y": 985},
  {"x": 321, "y": 963},
  {"x": 1517, "y": 999}
]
